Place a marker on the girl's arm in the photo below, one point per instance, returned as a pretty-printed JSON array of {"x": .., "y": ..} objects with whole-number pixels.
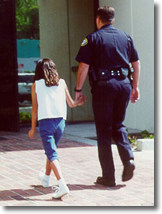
[
  {"x": 34, "y": 112},
  {"x": 71, "y": 102}
]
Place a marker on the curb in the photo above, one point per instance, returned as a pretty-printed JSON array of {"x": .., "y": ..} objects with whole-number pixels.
[{"x": 145, "y": 144}]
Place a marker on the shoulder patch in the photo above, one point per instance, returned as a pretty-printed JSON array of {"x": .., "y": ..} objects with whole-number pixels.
[{"x": 85, "y": 42}]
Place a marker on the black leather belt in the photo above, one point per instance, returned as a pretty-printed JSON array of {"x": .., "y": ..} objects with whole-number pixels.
[{"x": 106, "y": 74}]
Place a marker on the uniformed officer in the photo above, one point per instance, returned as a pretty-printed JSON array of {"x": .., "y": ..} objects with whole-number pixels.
[{"x": 106, "y": 55}]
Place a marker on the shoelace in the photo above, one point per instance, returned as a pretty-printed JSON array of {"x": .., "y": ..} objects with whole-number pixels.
[{"x": 55, "y": 188}]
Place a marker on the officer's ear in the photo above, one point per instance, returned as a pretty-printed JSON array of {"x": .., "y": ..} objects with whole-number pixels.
[
  {"x": 113, "y": 21},
  {"x": 98, "y": 22}
]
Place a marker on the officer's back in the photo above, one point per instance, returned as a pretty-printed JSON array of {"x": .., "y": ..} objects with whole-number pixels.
[{"x": 111, "y": 48}]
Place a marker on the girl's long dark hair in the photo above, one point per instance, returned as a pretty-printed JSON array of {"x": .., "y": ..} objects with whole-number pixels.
[{"x": 46, "y": 69}]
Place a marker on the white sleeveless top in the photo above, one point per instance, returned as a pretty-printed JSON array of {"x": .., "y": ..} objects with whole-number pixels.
[{"x": 51, "y": 100}]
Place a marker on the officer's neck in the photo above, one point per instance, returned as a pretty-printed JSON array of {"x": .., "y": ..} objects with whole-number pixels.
[{"x": 103, "y": 25}]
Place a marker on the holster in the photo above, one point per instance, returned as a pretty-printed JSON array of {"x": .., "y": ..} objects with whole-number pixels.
[{"x": 92, "y": 76}]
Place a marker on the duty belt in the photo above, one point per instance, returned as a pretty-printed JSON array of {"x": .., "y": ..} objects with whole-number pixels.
[{"x": 106, "y": 74}]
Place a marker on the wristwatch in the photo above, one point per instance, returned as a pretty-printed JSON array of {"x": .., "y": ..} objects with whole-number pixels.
[{"x": 77, "y": 90}]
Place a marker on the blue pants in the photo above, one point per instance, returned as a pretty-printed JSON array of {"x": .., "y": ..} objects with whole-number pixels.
[
  {"x": 110, "y": 100},
  {"x": 51, "y": 131}
]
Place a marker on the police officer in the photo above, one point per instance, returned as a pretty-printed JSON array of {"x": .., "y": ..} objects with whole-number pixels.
[{"x": 106, "y": 55}]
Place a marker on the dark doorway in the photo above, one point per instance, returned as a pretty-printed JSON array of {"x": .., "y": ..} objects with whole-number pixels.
[{"x": 9, "y": 115}]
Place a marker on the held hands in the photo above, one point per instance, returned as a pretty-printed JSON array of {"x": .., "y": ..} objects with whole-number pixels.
[
  {"x": 135, "y": 95},
  {"x": 79, "y": 99}
]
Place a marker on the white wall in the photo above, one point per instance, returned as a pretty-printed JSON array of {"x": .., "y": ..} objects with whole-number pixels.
[{"x": 136, "y": 17}]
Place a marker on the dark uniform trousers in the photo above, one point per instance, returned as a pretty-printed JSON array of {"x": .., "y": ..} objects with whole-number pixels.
[{"x": 110, "y": 100}]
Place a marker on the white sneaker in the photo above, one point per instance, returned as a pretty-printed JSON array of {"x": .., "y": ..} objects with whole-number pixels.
[
  {"x": 60, "y": 191},
  {"x": 44, "y": 179}
]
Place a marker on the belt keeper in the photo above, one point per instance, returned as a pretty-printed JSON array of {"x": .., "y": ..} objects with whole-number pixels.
[{"x": 112, "y": 73}]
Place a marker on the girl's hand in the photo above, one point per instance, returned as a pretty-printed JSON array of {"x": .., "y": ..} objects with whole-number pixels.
[
  {"x": 80, "y": 100},
  {"x": 31, "y": 133}
]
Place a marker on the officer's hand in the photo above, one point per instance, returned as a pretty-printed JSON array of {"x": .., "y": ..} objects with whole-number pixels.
[
  {"x": 79, "y": 95},
  {"x": 135, "y": 95},
  {"x": 81, "y": 100}
]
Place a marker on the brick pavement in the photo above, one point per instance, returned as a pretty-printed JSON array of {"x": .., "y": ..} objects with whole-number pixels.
[{"x": 21, "y": 159}]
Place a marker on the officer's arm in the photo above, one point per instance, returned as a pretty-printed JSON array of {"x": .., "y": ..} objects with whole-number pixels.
[
  {"x": 82, "y": 74},
  {"x": 135, "y": 83},
  {"x": 81, "y": 77},
  {"x": 136, "y": 73}
]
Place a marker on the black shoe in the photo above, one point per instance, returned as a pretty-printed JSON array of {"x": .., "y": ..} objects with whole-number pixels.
[
  {"x": 128, "y": 170},
  {"x": 105, "y": 182}
]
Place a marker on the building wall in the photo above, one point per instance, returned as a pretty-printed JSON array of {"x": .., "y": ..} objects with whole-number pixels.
[
  {"x": 63, "y": 26},
  {"x": 136, "y": 17},
  {"x": 54, "y": 36}
]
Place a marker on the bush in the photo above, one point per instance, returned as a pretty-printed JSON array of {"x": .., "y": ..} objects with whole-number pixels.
[
  {"x": 144, "y": 134},
  {"x": 27, "y": 19},
  {"x": 24, "y": 117}
]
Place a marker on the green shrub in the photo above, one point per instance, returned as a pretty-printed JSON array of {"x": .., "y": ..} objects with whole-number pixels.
[
  {"x": 24, "y": 117},
  {"x": 144, "y": 134}
]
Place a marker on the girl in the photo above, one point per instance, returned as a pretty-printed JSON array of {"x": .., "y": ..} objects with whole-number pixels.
[{"x": 49, "y": 96}]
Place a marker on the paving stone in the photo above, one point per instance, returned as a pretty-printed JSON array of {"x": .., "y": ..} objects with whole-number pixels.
[{"x": 21, "y": 159}]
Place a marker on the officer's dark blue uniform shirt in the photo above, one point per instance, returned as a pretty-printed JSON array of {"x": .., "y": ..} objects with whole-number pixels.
[{"x": 106, "y": 48}]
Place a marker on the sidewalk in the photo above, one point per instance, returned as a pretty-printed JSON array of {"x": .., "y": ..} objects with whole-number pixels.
[{"x": 21, "y": 159}]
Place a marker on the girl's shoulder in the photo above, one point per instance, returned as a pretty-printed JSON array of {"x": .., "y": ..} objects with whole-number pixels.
[
  {"x": 62, "y": 82},
  {"x": 41, "y": 81},
  {"x": 39, "y": 84}
]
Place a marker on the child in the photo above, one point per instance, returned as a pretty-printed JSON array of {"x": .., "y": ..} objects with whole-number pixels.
[{"x": 49, "y": 96}]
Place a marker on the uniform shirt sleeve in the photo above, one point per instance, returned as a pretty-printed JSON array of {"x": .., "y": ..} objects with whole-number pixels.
[
  {"x": 133, "y": 52},
  {"x": 85, "y": 51}
]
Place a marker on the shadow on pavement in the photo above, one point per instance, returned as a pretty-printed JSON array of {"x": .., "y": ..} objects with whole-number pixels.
[
  {"x": 17, "y": 141},
  {"x": 73, "y": 187},
  {"x": 38, "y": 190}
]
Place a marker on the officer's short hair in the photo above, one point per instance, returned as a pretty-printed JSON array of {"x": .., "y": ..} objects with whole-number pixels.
[{"x": 106, "y": 14}]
